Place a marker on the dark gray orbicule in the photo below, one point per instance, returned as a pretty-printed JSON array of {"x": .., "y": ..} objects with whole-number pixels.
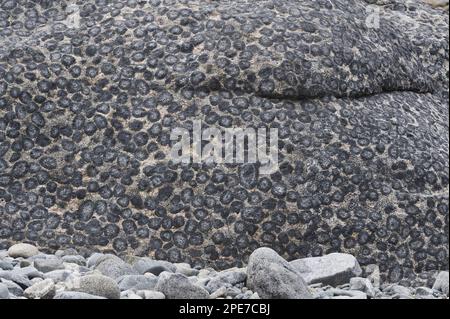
[{"x": 362, "y": 111}]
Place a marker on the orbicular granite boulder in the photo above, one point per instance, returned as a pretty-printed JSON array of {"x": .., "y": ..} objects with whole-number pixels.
[{"x": 358, "y": 91}]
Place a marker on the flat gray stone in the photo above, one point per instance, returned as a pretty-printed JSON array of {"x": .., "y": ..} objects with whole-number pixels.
[
  {"x": 272, "y": 277},
  {"x": 334, "y": 269},
  {"x": 42, "y": 290},
  {"x": 350, "y": 294},
  {"x": 19, "y": 279},
  {"x": 442, "y": 282},
  {"x": 186, "y": 269},
  {"x": 4, "y": 292},
  {"x": 137, "y": 282},
  {"x": 75, "y": 295},
  {"x": 374, "y": 275},
  {"x": 156, "y": 267},
  {"x": 345, "y": 297},
  {"x": 22, "y": 250},
  {"x": 427, "y": 297},
  {"x": 233, "y": 291},
  {"x": 178, "y": 286},
  {"x": 66, "y": 252},
  {"x": 98, "y": 285}
]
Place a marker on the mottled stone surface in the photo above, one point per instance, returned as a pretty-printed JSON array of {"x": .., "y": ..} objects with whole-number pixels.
[
  {"x": 86, "y": 113},
  {"x": 442, "y": 282},
  {"x": 266, "y": 276},
  {"x": 75, "y": 295},
  {"x": 97, "y": 285},
  {"x": 333, "y": 269},
  {"x": 22, "y": 250}
]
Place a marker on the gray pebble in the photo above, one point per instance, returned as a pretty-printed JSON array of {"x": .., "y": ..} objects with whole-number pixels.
[
  {"x": 156, "y": 267},
  {"x": 97, "y": 285},
  {"x": 22, "y": 250},
  {"x": 150, "y": 294},
  {"x": 272, "y": 277},
  {"x": 364, "y": 285},
  {"x": 178, "y": 286},
  {"x": 6, "y": 265},
  {"x": 4, "y": 292}
]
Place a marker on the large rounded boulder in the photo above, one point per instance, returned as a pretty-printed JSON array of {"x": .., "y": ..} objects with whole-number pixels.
[{"x": 357, "y": 92}]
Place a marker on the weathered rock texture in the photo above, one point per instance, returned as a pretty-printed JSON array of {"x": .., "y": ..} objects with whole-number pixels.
[
  {"x": 272, "y": 277},
  {"x": 86, "y": 112},
  {"x": 333, "y": 269}
]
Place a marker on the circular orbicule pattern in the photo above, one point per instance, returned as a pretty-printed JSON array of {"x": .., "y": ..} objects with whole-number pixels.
[{"x": 86, "y": 113}]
